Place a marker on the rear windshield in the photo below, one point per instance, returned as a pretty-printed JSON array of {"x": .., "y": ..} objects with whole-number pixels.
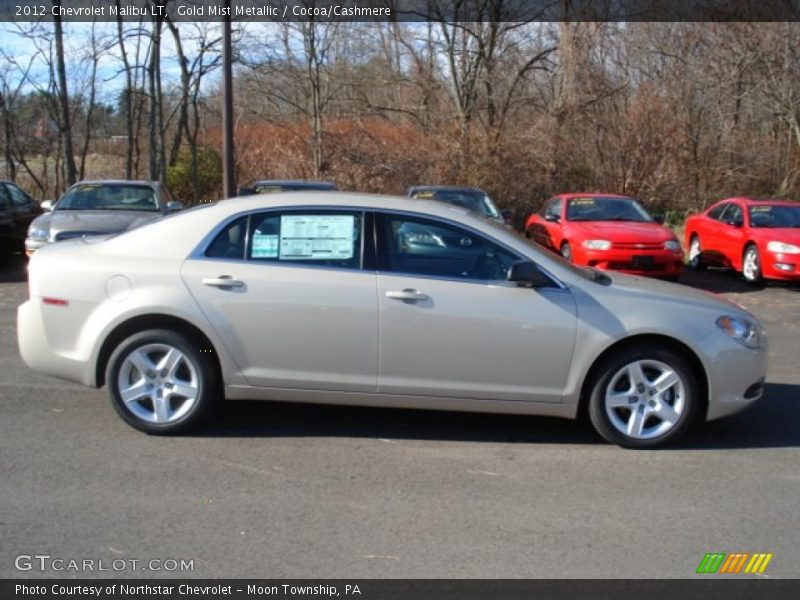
[{"x": 103, "y": 196}]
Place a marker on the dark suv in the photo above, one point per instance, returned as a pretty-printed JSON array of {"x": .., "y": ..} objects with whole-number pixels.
[{"x": 17, "y": 210}]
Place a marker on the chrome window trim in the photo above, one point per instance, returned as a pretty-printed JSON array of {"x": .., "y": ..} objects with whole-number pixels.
[{"x": 199, "y": 251}]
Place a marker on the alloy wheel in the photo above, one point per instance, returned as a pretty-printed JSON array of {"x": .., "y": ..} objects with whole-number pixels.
[{"x": 645, "y": 399}]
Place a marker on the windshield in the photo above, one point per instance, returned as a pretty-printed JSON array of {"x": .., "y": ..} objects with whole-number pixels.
[
  {"x": 473, "y": 200},
  {"x": 774, "y": 215},
  {"x": 598, "y": 208},
  {"x": 104, "y": 196}
]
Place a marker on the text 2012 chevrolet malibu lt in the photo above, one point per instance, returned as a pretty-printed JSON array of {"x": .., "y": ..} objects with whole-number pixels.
[{"x": 359, "y": 299}]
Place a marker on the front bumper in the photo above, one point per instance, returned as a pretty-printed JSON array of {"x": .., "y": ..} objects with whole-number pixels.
[
  {"x": 785, "y": 267},
  {"x": 654, "y": 263},
  {"x": 735, "y": 376}
]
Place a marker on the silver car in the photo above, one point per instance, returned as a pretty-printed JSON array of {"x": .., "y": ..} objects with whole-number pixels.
[
  {"x": 332, "y": 298},
  {"x": 98, "y": 208}
]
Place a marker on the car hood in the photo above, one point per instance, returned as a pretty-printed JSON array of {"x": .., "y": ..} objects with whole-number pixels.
[
  {"x": 636, "y": 288},
  {"x": 787, "y": 235},
  {"x": 92, "y": 221},
  {"x": 623, "y": 231}
]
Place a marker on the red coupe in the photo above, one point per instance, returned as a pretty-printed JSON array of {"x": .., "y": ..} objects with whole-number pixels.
[
  {"x": 608, "y": 232},
  {"x": 758, "y": 238}
]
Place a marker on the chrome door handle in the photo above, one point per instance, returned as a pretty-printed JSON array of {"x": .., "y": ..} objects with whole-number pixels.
[
  {"x": 407, "y": 294},
  {"x": 225, "y": 281}
]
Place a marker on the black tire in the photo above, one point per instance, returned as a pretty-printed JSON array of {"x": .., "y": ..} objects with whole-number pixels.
[
  {"x": 696, "y": 262},
  {"x": 198, "y": 366},
  {"x": 753, "y": 277},
  {"x": 566, "y": 251},
  {"x": 611, "y": 367}
]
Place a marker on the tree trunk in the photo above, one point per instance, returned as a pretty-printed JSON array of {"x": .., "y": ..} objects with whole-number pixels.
[{"x": 63, "y": 96}]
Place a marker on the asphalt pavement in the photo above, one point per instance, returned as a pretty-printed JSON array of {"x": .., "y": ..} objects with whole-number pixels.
[{"x": 274, "y": 490}]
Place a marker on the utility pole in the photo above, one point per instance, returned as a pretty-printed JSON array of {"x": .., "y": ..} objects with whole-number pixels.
[{"x": 228, "y": 174}]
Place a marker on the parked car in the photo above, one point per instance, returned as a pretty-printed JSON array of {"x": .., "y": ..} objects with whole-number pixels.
[
  {"x": 474, "y": 199},
  {"x": 17, "y": 211},
  {"x": 99, "y": 208},
  {"x": 607, "y": 231},
  {"x": 274, "y": 297},
  {"x": 269, "y": 186},
  {"x": 758, "y": 238}
]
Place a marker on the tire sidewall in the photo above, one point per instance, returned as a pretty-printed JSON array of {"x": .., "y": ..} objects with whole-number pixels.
[
  {"x": 758, "y": 276},
  {"x": 206, "y": 376},
  {"x": 696, "y": 263},
  {"x": 597, "y": 390},
  {"x": 566, "y": 251}
]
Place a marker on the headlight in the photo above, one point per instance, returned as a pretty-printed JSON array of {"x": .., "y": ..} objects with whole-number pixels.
[
  {"x": 37, "y": 233},
  {"x": 673, "y": 245},
  {"x": 746, "y": 333},
  {"x": 783, "y": 248},
  {"x": 597, "y": 244}
]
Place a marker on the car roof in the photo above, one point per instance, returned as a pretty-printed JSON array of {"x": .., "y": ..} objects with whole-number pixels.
[
  {"x": 758, "y": 201},
  {"x": 571, "y": 195},
  {"x": 338, "y": 199},
  {"x": 116, "y": 182},
  {"x": 292, "y": 182},
  {"x": 442, "y": 188}
]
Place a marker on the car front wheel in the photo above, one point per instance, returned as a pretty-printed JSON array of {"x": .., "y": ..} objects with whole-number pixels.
[
  {"x": 751, "y": 266},
  {"x": 160, "y": 383},
  {"x": 695, "y": 254},
  {"x": 566, "y": 251},
  {"x": 643, "y": 398}
]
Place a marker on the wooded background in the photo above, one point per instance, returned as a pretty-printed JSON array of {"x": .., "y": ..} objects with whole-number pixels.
[{"x": 677, "y": 114}]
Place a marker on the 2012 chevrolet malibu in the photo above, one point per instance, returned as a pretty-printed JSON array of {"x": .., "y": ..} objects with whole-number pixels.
[{"x": 368, "y": 300}]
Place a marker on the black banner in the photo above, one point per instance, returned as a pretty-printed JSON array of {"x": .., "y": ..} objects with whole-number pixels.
[
  {"x": 410, "y": 589},
  {"x": 401, "y": 10}
]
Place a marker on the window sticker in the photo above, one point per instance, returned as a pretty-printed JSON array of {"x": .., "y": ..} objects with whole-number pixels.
[
  {"x": 758, "y": 209},
  {"x": 583, "y": 202},
  {"x": 317, "y": 237},
  {"x": 265, "y": 246},
  {"x": 423, "y": 195}
]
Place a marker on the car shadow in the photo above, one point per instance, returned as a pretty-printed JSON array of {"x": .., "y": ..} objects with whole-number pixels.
[
  {"x": 278, "y": 419},
  {"x": 771, "y": 423},
  {"x": 724, "y": 281},
  {"x": 14, "y": 269},
  {"x": 717, "y": 281}
]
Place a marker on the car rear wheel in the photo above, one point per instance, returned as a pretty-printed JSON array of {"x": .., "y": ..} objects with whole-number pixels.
[
  {"x": 751, "y": 266},
  {"x": 160, "y": 383},
  {"x": 643, "y": 397},
  {"x": 566, "y": 251},
  {"x": 695, "y": 254}
]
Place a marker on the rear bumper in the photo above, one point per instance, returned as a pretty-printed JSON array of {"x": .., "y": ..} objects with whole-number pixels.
[{"x": 37, "y": 351}]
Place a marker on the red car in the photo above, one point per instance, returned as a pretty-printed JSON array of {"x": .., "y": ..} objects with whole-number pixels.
[
  {"x": 608, "y": 232},
  {"x": 758, "y": 238}
]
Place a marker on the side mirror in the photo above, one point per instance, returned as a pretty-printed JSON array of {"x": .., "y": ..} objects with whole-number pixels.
[
  {"x": 552, "y": 218},
  {"x": 734, "y": 223},
  {"x": 47, "y": 205},
  {"x": 525, "y": 273},
  {"x": 507, "y": 214},
  {"x": 658, "y": 219},
  {"x": 174, "y": 206},
  {"x": 246, "y": 191}
]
